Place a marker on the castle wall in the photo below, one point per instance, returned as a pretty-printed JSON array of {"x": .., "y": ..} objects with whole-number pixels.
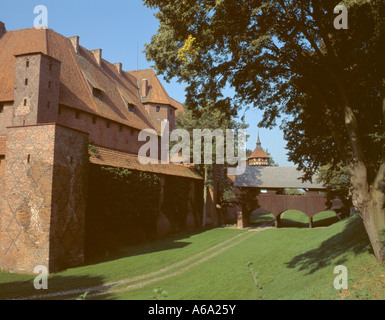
[
  {"x": 42, "y": 218},
  {"x": 101, "y": 131}
]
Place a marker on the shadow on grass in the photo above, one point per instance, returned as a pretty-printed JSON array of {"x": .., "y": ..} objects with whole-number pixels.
[
  {"x": 59, "y": 287},
  {"x": 169, "y": 242},
  {"x": 352, "y": 239}
]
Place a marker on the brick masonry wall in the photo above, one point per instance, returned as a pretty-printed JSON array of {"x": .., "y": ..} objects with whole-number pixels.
[
  {"x": 42, "y": 221},
  {"x": 116, "y": 136},
  {"x": 69, "y": 189}
]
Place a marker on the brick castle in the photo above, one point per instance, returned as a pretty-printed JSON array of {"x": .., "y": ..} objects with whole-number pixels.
[{"x": 56, "y": 99}]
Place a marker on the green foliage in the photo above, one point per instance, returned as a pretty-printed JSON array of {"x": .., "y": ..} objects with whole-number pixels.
[
  {"x": 285, "y": 58},
  {"x": 159, "y": 294},
  {"x": 83, "y": 296},
  {"x": 336, "y": 179},
  {"x": 93, "y": 150},
  {"x": 123, "y": 207}
]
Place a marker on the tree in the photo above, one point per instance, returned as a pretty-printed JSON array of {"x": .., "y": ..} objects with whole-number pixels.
[
  {"x": 212, "y": 120},
  {"x": 336, "y": 179},
  {"x": 286, "y": 58}
]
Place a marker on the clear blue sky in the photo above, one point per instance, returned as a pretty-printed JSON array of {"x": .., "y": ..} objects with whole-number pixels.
[{"x": 118, "y": 27}]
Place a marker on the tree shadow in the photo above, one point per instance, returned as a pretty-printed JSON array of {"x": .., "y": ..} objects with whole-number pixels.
[
  {"x": 170, "y": 242},
  {"x": 59, "y": 287},
  {"x": 352, "y": 239}
]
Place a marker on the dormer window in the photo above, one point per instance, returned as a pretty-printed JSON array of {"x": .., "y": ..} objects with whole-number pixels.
[
  {"x": 97, "y": 92},
  {"x": 131, "y": 107}
]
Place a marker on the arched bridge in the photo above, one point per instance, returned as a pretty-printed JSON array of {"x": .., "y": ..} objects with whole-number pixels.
[{"x": 261, "y": 187}]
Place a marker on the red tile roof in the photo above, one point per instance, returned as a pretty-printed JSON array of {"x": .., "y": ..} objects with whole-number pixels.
[
  {"x": 157, "y": 93},
  {"x": 79, "y": 71},
  {"x": 259, "y": 153},
  {"x": 111, "y": 158}
]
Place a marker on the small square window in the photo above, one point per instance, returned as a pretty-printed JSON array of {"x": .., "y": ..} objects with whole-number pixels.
[
  {"x": 131, "y": 107},
  {"x": 97, "y": 92}
]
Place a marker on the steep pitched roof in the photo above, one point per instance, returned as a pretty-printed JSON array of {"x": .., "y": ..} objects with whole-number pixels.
[
  {"x": 156, "y": 93},
  {"x": 259, "y": 153},
  {"x": 79, "y": 73}
]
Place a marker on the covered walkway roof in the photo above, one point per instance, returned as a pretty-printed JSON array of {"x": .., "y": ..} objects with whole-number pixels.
[
  {"x": 274, "y": 178},
  {"x": 118, "y": 159}
]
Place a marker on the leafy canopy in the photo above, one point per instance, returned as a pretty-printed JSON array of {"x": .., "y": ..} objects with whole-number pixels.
[{"x": 286, "y": 58}]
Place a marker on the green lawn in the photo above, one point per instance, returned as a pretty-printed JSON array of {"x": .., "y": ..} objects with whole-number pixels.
[{"x": 292, "y": 263}]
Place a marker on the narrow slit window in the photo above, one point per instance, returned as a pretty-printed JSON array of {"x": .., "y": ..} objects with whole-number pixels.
[
  {"x": 108, "y": 124},
  {"x": 77, "y": 115},
  {"x": 26, "y": 82},
  {"x": 49, "y": 84},
  {"x": 25, "y": 102},
  {"x": 29, "y": 158},
  {"x": 93, "y": 119},
  {"x": 48, "y": 104},
  {"x": 60, "y": 110},
  {"x": 27, "y": 64},
  {"x": 157, "y": 109}
]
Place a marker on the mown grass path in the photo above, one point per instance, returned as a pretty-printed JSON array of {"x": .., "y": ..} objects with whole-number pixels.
[{"x": 149, "y": 278}]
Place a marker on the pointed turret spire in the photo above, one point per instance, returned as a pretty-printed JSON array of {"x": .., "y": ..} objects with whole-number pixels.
[
  {"x": 259, "y": 156},
  {"x": 259, "y": 144}
]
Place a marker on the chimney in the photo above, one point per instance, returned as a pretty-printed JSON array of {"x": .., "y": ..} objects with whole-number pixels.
[
  {"x": 75, "y": 42},
  {"x": 144, "y": 88},
  {"x": 2, "y": 29},
  {"x": 98, "y": 56},
  {"x": 119, "y": 67}
]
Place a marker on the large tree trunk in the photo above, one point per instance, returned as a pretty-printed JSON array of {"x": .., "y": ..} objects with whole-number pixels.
[{"x": 370, "y": 203}]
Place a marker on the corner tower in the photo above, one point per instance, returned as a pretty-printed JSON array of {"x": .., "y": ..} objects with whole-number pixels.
[{"x": 36, "y": 92}]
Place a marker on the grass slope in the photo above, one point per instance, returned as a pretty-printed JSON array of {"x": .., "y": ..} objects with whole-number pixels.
[{"x": 292, "y": 263}]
